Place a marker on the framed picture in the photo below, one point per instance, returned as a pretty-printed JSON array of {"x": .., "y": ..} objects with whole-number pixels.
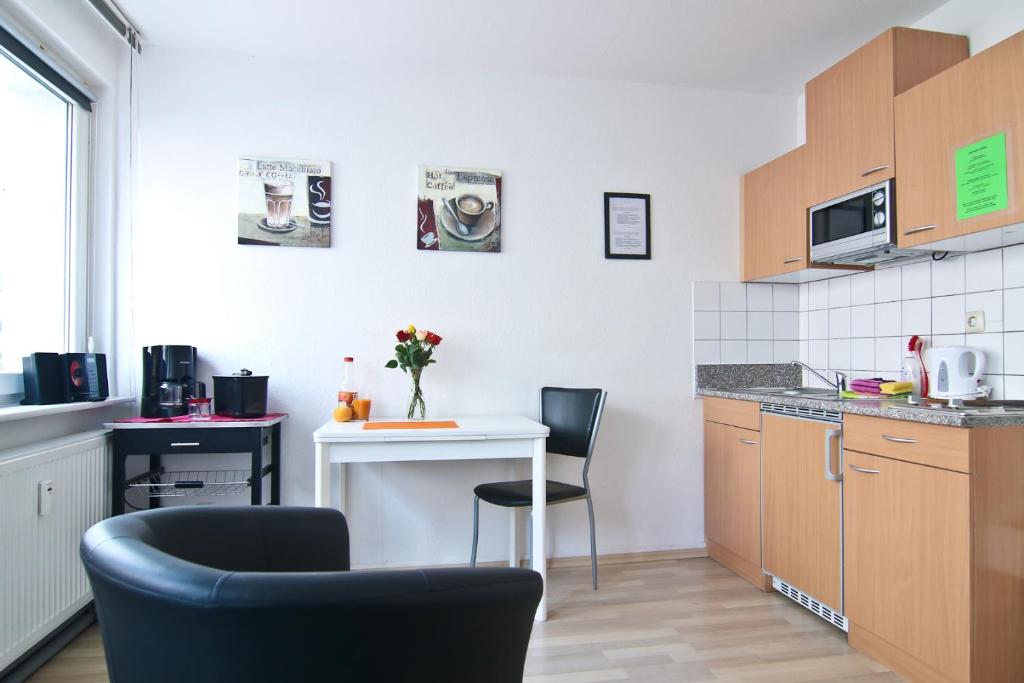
[
  {"x": 284, "y": 202},
  {"x": 458, "y": 209},
  {"x": 627, "y": 225}
]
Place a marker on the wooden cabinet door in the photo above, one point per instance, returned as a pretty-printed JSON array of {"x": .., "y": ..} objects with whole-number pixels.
[
  {"x": 907, "y": 559},
  {"x": 774, "y": 215},
  {"x": 802, "y": 528},
  {"x": 850, "y": 122},
  {"x": 732, "y": 498},
  {"x": 969, "y": 102}
]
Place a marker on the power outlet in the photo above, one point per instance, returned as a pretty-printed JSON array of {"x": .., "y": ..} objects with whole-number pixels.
[{"x": 975, "y": 322}]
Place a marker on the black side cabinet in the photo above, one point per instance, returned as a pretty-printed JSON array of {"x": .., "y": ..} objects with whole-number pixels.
[{"x": 160, "y": 480}]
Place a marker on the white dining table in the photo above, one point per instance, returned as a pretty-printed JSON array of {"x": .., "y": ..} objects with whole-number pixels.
[{"x": 475, "y": 438}]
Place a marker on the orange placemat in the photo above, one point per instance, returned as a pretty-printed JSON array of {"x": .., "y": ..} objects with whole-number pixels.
[{"x": 440, "y": 424}]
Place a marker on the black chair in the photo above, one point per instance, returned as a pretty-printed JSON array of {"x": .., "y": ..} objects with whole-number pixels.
[
  {"x": 573, "y": 416},
  {"x": 264, "y": 594}
]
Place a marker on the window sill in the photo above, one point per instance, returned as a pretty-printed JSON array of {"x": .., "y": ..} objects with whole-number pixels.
[{"x": 9, "y": 413}]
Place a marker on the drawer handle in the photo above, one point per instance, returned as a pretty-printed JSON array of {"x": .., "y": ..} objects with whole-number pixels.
[
  {"x": 920, "y": 228},
  {"x": 748, "y": 442},
  {"x": 865, "y": 470},
  {"x": 898, "y": 439},
  {"x": 874, "y": 169},
  {"x": 793, "y": 259},
  {"x": 184, "y": 444}
]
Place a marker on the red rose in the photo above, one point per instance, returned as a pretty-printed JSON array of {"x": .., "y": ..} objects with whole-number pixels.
[
  {"x": 403, "y": 336},
  {"x": 433, "y": 339}
]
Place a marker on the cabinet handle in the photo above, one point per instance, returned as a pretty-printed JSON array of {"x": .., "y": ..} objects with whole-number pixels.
[
  {"x": 748, "y": 442},
  {"x": 830, "y": 436},
  {"x": 865, "y": 470},
  {"x": 898, "y": 439},
  {"x": 874, "y": 169},
  {"x": 184, "y": 444},
  {"x": 793, "y": 259},
  {"x": 918, "y": 229}
]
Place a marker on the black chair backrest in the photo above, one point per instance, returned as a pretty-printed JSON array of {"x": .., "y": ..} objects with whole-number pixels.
[
  {"x": 572, "y": 416},
  {"x": 260, "y": 594}
]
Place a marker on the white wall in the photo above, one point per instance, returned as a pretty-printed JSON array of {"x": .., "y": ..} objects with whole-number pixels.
[
  {"x": 984, "y": 22},
  {"x": 548, "y": 310}
]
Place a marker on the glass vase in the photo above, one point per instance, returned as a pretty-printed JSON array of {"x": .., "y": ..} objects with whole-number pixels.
[{"x": 416, "y": 404}]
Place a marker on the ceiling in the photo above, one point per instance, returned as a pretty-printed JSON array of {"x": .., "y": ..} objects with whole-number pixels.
[{"x": 770, "y": 46}]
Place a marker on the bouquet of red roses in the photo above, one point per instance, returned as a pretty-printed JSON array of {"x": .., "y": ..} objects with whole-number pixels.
[{"x": 412, "y": 354}]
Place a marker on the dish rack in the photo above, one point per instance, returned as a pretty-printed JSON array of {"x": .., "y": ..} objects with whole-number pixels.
[{"x": 162, "y": 484}]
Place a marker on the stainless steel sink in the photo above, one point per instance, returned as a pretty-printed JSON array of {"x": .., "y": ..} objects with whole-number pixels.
[{"x": 806, "y": 392}]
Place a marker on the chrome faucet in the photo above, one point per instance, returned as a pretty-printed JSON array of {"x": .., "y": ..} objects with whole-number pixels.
[{"x": 839, "y": 385}]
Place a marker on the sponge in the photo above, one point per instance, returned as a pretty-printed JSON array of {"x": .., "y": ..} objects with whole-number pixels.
[{"x": 893, "y": 388}]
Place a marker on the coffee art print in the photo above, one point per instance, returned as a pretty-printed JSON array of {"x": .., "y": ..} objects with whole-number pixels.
[
  {"x": 284, "y": 202},
  {"x": 458, "y": 209}
]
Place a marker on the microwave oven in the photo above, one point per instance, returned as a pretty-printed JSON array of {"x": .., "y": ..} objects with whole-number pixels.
[{"x": 857, "y": 228}]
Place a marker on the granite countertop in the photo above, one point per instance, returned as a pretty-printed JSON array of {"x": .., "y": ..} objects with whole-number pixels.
[{"x": 895, "y": 409}]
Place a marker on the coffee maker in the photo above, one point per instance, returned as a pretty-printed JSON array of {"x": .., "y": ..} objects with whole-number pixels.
[{"x": 169, "y": 380}]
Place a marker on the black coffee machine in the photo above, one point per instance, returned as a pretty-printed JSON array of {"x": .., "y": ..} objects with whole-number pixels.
[{"x": 169, "y": 380}]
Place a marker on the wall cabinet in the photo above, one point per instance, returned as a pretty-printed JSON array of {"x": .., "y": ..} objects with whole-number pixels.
[
  {"x": 732, "y": 487},
  {"x": 774, "y": 215},
  {"x": 967, "y": 103},
  {"x": 802, "y": 508},
  {"x": 850, "y": 108},
  {"x": 934, "y": 557}
]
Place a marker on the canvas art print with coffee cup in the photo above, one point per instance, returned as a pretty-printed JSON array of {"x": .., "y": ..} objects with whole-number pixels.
[
  {"x": 284, "y": 202},
  {"x": 459, "y": 209}
]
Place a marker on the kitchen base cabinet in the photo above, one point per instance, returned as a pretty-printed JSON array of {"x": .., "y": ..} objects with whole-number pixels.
[
  {"x": 732, "y": 488},
  {"x": 802, "y": 507},
  {"x": 934, "y": 557}
]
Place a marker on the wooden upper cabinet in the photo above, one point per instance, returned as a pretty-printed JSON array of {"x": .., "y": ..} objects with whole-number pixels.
[
  {"x": 850, "y": 117},
  {"x": 972, "y": 101},
  {"x": 774, "y": 214}
]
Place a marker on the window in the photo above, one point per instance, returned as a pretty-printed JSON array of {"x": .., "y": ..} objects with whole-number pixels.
[{"x": 43, "y": 181}]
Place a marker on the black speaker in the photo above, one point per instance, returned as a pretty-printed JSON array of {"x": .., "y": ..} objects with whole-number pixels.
[
  {"x": 85, "y": 376},
  {"x": 44, "y": 379}
]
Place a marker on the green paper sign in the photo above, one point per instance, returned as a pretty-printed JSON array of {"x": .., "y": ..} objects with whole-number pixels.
[{"x": 981, "y": 177}]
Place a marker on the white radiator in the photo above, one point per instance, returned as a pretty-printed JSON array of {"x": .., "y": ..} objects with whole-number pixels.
[{"x": 42, "y": 581}]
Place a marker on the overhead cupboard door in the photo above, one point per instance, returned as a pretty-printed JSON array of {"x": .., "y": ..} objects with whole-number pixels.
[{"x": 960, "y": 148}]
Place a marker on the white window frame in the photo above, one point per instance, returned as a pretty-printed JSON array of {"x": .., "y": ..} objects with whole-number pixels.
[{"x": 81, "y": 127}]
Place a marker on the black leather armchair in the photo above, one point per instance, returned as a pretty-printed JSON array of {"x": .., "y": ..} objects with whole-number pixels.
[{"x": 264, "y": 594}]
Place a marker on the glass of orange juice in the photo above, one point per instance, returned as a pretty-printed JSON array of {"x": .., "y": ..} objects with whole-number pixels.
[{"x": 361, "y": 407}]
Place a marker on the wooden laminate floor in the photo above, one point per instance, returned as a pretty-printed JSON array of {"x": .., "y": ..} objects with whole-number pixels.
[{"x": 674, "y": 620}]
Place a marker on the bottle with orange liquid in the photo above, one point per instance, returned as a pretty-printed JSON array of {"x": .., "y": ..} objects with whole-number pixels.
[{"x": 347, "y": 394}]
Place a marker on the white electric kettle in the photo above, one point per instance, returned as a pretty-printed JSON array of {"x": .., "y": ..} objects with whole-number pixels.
[{"x": 955, "y": 372}]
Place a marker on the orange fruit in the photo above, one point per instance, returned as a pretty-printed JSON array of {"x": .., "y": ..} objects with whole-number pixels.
[{"x": 343, "y": 413}]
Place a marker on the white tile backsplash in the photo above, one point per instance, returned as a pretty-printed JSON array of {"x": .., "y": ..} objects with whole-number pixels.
[
  {"x": 916, "y": 316},
  {"x": 839, "y": 323},
  {"x": 862, "y": 288},
  {"x": 917, "y": 280},
  {"x": 1013, "y": 266},
  {"x": 861, "y": 322},
  {"x": 888, "y": 284},
  {"x": 734, "y": 296},
  {"x": 948, "y": 315},
  {"x": 984, "y": 271},
  {"x": 839, "y": 292},
  {"x": 759, "y": 297},
  {"x": 759, "y": 352},
  {"x": 759, "y": 325},
  {"x": 734, "y": 325},
  {"x": 705, "y": 296},
  {"x": 706, "y": 325},
  {"x": 948, "y": 276},
  {"x": 989, "y": 302},
  {"x": 785, "y": 298}
]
